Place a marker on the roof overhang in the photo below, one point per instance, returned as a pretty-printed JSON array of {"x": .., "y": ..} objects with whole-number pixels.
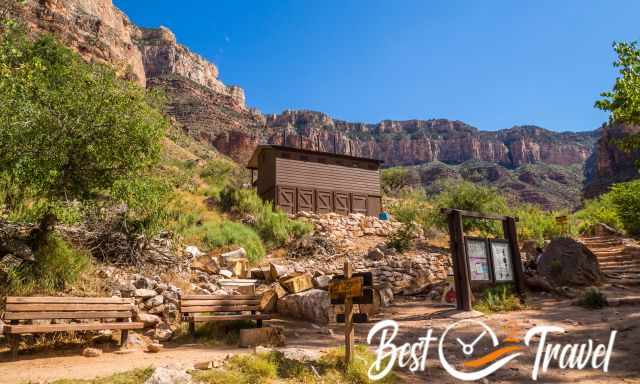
[{"x": 253, "y": 161}]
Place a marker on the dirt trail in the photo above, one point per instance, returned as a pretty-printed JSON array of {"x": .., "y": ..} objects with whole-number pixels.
[{"x": 414, "y": 317}]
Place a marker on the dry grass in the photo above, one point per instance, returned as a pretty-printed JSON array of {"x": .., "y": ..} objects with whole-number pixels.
[{"x": 137, "y": 376}]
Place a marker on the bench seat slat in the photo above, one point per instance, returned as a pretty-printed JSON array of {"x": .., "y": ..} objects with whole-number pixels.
[
  {"x": 67, "y": 300},
  {"x": 218, "y": 308},
  {"x": 191, "y": 303},
  {"x": 19, "y": 329},
  {"x": 200, "y": 319},
  {"x": 67, "y": 315},
  {"x": 67, "y": 307},
  {"x": 219, "y": 297}
]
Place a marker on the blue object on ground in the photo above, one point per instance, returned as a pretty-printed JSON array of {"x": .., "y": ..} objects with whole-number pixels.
[{"x": 384, "y": 216}]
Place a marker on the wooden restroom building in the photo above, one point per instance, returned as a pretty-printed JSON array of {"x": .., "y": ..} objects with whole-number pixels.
[{"x": 304, "y": 180}]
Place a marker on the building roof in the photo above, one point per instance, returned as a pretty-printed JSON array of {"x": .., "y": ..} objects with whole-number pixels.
[{"x": 253, "y": 162}]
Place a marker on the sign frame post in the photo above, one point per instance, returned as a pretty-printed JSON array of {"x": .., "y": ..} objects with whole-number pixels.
[{"x": 348, "y": 319}]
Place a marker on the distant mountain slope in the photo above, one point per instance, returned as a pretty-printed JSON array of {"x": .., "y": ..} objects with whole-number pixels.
[{"x": 217, "y": 114}]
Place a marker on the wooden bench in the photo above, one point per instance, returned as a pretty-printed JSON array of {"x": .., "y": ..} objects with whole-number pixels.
[
  {"x": 205, "y": 308},
  {"x": 26, "y": 309}
]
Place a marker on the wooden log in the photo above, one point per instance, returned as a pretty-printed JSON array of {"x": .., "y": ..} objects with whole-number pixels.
[
  {"x": 297, "y": 283},
  {"x": 269, "y": 301},
  {"x": 277, "y": 271},
  {"x": 239, "y": 267},
  {"x": 271, "y": 336},
  {"x": 280, "y": 292}
]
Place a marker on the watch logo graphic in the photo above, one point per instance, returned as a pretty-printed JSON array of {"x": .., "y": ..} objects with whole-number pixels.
[{"x": 496, "y": 359}]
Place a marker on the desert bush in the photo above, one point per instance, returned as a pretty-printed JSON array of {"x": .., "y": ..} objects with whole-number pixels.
[
  {"x": 273, "y": 225},
  {"x": 147, "y": 199},
  {"x": 536, "y": 224},
  {"x": 228, "y": 234},
  {"x": 592, "y": 298},
  {"x": 598, "y": 210},
  {"x": 402, "y": 238},
  {"x": 626, "y": 198},
  {"x": 396, "y": 179},
  {"x": 57, "y": 265},
  {"x": 465, "y": 195},
  {"x": 498, "y": 299},
  {"x": 136, "y": 376}
]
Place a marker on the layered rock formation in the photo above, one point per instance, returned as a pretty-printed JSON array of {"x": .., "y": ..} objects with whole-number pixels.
[
  {"x": 101, "y": 32},
  {"x": 609, "y": 164}
]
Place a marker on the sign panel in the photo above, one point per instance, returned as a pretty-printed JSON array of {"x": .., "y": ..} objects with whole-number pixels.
[
  {"x": 502, "y": 267},
  {"x": 347, "y": 288},
  {"x": 478, "y": 259}
]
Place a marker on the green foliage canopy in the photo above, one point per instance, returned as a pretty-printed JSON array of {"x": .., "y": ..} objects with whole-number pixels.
[
  {"x": 70, "y": 129},
  {"x": 624, "y": 100}
]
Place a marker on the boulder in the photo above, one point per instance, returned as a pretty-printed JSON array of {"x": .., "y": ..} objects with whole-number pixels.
[
  {"x": 322, "y": 282},
  {"x": 312, "y": 305},
  {"x": 268, "y": 336},
  {"x": 193, "y": 251},
  {"x": 169, "y": 376},
  {"x": 206, "y": 264},
  {"x": 154, "y": 301},
  {"x": 154, "y": 347},
  {"x": 145, "y": 293},
  {"x": 91, "y": 352},
  {"x": 148, "y": 319},
  {"x": 568, "y": 262},
  {"x": 375, "y": 254}
]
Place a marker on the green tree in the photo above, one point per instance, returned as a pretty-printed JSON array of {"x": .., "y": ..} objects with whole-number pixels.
[
  {"x": 624, "y": 100},
  {"x": 398, "y": 178},
  {"x": 69, "y": 129},
  {"x": 626, "y": 199}
]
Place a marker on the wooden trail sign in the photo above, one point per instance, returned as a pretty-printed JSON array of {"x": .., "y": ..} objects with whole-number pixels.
[{"x": 347, "y": 288}]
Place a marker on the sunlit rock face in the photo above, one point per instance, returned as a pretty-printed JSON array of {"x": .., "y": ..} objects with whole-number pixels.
[{"x": 608, "y": 164}]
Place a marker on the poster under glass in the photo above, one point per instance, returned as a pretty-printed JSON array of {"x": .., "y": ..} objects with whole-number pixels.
[
  {"x": 501, "y": 255},
  {"x": 478, "y": 259}
]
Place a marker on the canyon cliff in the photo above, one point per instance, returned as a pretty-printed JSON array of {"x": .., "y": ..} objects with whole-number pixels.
[{"x": 205, "y": 108}]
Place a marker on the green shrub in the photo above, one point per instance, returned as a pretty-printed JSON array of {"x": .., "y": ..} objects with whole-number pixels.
[
  {"x": 402, "y": 239},
  {"x": 626, "y": 198},
  {"x": 498, "y": 299},
  {"x": 57, "y": 265},
  {"x": 147, "y": 199},
  {"x": 136, "y": 376},
  {"x": 228, "y": 234},
  {"x": 467, "y": 196},
  {"x": 273, "y": 225},
  {"x": 593, "y": 299},
  {"x": 396, "y": 179},
  {"x": 599, "y": 210},
  {"x": 536, "y": 224}
]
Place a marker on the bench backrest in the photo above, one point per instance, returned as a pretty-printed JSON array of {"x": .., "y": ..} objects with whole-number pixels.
[
  {"x": 47, "y": 308},
  {"x": 210, "y": 303}
]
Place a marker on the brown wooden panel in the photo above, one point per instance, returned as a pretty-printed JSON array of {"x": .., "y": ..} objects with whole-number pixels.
[
  {"x": 358, "y": 203},
  {"x": 324, "y": 201},
  {"x": 218, "y": 308},
  {"x": 67, "y": 300},
  {"x": 67, "y": 315},
  {"x": 67, "y": 307},
  {"x": 17, "y": 329},
  {"x": 220, "y": 297},
  {"x": 306, "y": 200},
  {"x": 341, "y": 203},
  {"x": 228, "y": 317},
  {"x": 374, "y": 205},
  {"x": 220, "y": 302},
  {"x": 304, "y": 174},
  {"x": 286, "y": 199}
]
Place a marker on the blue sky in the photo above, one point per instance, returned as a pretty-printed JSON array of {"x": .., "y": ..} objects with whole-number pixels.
[{"x": 492, "y": 64}]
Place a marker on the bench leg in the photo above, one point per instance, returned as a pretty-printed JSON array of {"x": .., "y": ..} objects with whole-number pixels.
[
  {"x": 14, "y": 343},
  {"x": 192, "y": 329},
  {"x": 124, "y": 336},
  {"x": 259, "y": 323}
]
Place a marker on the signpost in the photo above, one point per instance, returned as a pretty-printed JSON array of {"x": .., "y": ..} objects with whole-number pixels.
[
  {"x": 471, "y": 256},
  {"x": 351, "y": 289}
]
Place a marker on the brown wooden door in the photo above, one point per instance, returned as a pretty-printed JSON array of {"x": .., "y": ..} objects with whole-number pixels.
[
  {"x": 287, "y": 199},
  {"x": 341, "y": 203},
  {"x": 358, "y": 203},
  {"x": 374, "y": 205},
  {"x": 306, "y": 200},
  {"x": 324, "y": 201}
]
